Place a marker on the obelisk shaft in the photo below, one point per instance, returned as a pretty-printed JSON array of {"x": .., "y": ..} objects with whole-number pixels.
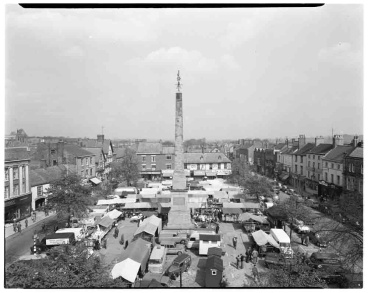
[{"x": 179, "y": 180}]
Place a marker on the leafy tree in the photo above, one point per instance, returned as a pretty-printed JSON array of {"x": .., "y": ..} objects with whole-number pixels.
[
  {"x": 67, "y": 196},
  {"x": 66, "y": 267},
  {"x": 127, "y": 168}
]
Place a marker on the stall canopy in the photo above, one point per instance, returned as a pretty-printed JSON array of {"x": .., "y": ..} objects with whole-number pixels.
[
  {"x": 115, "y": 201},
  {"x": 105, "y": 221},
  {"x": 199, "y": 173},
  {"x": 114, "y": 214},
  {"x": 231, "y": 211},
  {"x": 217, "y": 251},
  {"x": 211, "y": 173},
  {"x": 251, "y": 205},
  {"x": 139, "y": 205},
  {"x": 95, "y": 180},
  {"x": 261, "y": 238},
  {"x": 127, "y": 269}
]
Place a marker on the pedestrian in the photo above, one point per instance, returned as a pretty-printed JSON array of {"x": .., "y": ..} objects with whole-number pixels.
[
  {"x": 255, "y": 256},
  {"x": 126, "y": 244},
  {"x": 217, "y": 229},
  {"x": 235, "y": 240},
  {"x": 306, "y": 240},
  {"x": 242, "y": 258},
  {"x": 122, "y": 239},
  {"x": 123, "y": 216},
  {"x": 19, "y": 227},
  {"x": 116, "y": 232},
  {"x": 56, "y": 228},
  {"x": 302, "y": 238},
  {"x": 104, "y": 243},
  {"x": 26, "y": 222},
  {"x": 237, "y": 262},
  {"x": 248, "y": 253},
  {"x": 15, "y": 225},
  {"x": 35, "y": 215},
  {"x": 255, "y": 273},
  {"x": 43, "y": 227}
]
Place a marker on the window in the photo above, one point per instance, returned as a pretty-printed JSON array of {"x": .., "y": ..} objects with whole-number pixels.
[
  {"x": 81, "y": 162},
  {"x": 318, "y": 157},
  {"x": 143, "y": 167},
  {"x": 319, "y": 177},
  {"x": 301, "y": 170},
  {"x": 153, "y": 167},
  {"x": 143, "y": 158},
  {"x": 54, "y": 162},
  {"x": 213, "y": 272},
  {"x": 168, "y": 166},
  {"x": 6, "y": 174},
  {"x": 87, "y": 161},
  {"x": 15, "y": 173},
  {"x": 53, "y": 152},
  {"x": 325, "y": 176},
  {"x": 90, "y": 171},
  {"x": 301, "y": 159},
  {"x": 201, "y": 158},
  {"x": 308, "y": 163},
  {"x": 6, "y": 192},
  {"x": 39, "y": 191},
  {"x": 168, "y": 157},
  {"x": 332, "y": 178},
  {"x": 24, "y": 186},
  {"x": 308, "y": 156},
  {"x": 326, "y": 164},
  {"x": 24, "y": 172},
  {"x": 153, "y": 158},
  {"x": 314, "y": 164},
  {"x": 219, "y": 158},
  {"x": 16, "y": 189},
  {"x": 318, "y": 165},
  {"x": 332, "y": 165},
  {"x": 308, "y": 174},
  {"x": 314, "y": 157},
  {"x": 219, "y": 166},
  {"x": 296, "y": 168},
  {"x": 352, "y": 168},
  {"x": 90, "y": 161},
  {"x": 338, "y": 180}
]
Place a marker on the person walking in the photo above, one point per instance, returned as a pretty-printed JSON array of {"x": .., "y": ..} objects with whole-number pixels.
[
  {"x": 122, "y": 239},
  {"x": 247, "y": 254},
  {"x": 19, "y": 227},
  {"x": 306, "y": 241},
  {"x": 217, "y": 228},
  {"x": 26, "y": 222},
  {"x": 255, "y": 256},
  {"x": 104, "y": 243},
  {"x": 35, "y": 215},
  {"x": 43, "y": 227},
  {"x": 242, "y": 258},
  {"x": 235, "y": 240},
  {"x": 302, "y": 238},
  {"x": 255, "y": 273},
  {"x": 126, "y": 244},
  {"x": 15, "y": 225},
  {"x": 116, "y": 232},
  {"x": 237, "y": 262}
]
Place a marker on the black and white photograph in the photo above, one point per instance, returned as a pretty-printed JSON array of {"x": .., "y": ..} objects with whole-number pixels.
[{"x": 183, "y": 145}]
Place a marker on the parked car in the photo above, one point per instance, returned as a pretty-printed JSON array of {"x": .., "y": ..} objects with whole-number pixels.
[
  {"x": 173, "y": 248},
  {"x": 328, "y": 264},
  {"x": 136, "y": 218},
  {"x": 179, "y": 264},
  {"x": 318, "y": 238}
]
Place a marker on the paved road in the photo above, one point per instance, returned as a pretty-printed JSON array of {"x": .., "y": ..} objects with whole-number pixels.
[{"x": 19, "y": 244}]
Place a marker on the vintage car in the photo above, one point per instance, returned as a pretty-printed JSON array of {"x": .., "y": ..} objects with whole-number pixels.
[
  {"x": 179, "y": 265},
  {"x": 173, "y": 248},
  {"x": 328, "y": 264},
  {"x": 318, "y": 238}
]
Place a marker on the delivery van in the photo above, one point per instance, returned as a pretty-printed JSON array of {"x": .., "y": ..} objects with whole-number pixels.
[
  {"x": 283, "y": 241},
  {"x": 157, "y": 259},
  {"x": 59, "y": 239},
  {"x": 193, "y": 242},
  {"x": 79, "y": 233},
  {"x": 173, "y": 235}
]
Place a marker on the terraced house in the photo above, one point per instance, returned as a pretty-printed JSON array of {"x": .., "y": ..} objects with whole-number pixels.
[{"x": 353, "y": 170}]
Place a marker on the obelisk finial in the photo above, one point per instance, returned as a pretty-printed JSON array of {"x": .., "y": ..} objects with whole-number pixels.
[{"x": 178, "y": 85}]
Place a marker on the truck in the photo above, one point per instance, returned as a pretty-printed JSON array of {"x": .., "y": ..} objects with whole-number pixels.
[
  {"x": 283, "y": 241},
  {"x": 173, "y": 235},
  {"x": 58, "y": 239},
  {"x": 193, "y": 242}
]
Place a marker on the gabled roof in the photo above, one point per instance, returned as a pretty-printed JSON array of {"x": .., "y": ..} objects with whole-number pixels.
[
  {"x": 209, "y": 237},
  {"x": 168, "y": 150},
  {"x": 93, "y": 143},
  {"x": 97, "y": 152},
  {"x": 306, "y": 148},
  {"x": 50, "y": 174},
  {"x": 245, "y": 146},
  {"x": 138, "y": 251},
  {"x": 194, "y": 158},
  {"x": 357, "y": 153},
  {"x": 16, "y": 154},
  {"x": 214, "y": 262},
  {"x": 120, "y": 152},
  {"x": 77, "y": 151},
  {"x": 290, "y": 151},
  {"x": 149, "y": 148},
  {"x": 338, "y": 153},
  {"x": 322, "y": 148}
]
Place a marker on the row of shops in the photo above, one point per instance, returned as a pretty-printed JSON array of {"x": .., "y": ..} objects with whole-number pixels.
[{"x": 195, "y": 174}]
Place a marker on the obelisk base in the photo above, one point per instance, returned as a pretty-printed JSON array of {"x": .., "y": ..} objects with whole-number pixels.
[
  {"x": 179, "y": 181},
  {"x": 179, "y": 215}
]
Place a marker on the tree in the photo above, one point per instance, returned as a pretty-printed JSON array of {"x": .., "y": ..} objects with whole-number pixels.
[
  {"x": 66, "y": 266},
  {"x": 67, "y": 196},
  {"x": 126, "y": 169}
]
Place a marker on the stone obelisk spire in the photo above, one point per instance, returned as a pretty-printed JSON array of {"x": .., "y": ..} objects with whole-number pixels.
[{"x": 179, "y": 180}]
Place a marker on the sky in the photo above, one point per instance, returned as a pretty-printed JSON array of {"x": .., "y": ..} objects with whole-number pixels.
[{"x": 261, "y": 73}]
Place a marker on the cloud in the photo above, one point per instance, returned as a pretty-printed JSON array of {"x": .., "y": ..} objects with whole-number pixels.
[
  {"x": 74, "y": 52},
  {"x": 341, "y": 54},
  {"x": 229, "y": 62}
]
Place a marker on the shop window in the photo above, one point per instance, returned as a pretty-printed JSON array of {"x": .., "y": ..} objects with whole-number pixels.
[
  {"x": 6, "y": 174},
  {"x": 15, "y": 173},
  {"x": 6, "y": 192},
  {"x": 16, "y": 189}
]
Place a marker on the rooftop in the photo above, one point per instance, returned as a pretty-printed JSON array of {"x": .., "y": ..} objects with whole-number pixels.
[
  {"x": 357, "y": 153},
  {"x": 338, "y": 153},
  {"x": 320, "y": 149},
  {"x": 16, "y": 154},
  {"x": 149, "y": 148},
  {"x": 194, "y": 158},
  {"x": 305, "y": 149},
  {"x": 77, "y": 151}
]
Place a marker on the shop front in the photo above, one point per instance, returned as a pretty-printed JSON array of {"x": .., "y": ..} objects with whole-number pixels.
[
  {"x": 40, "y": 203},
  {"x": 18, "y": 208},
  {"x": 328, "y": 190}
]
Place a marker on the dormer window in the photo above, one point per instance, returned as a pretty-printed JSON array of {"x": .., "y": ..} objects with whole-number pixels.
[
  {"x": 219, "y": 158},
  {"x": 201, "y": 158}
]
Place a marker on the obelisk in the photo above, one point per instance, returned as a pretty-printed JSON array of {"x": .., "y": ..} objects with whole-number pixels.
[
  {"x": 179, "y": 179},
  {"x": 179, "y": 215}
]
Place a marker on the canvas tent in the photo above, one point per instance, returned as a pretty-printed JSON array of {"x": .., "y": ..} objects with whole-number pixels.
[
  {"x": 261, "y": 238},
  {"x": 127, "y": 269}
]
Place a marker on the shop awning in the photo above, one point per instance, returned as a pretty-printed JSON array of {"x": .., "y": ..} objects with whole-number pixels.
[
  {"x": 114, "y": 214},
  {"x": 158, "y": 172},
  {"x": 95, "y": 180},
  {"x": 211, "y": 173},
  {"x": 222, "y": 173},
  {"x": 199, "y": 173},
  {"x": 261, "y": 238},
  {"x": 105, "y": 222}
]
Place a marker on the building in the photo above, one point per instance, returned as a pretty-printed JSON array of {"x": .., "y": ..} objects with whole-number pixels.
[
  {"x": 82, "y": 159},
  {"x": 333, "y": 180},
  {"x": 298, "y": 175},
  {"x": 353, "y": 170},
  {"x": 40, "y": 180},
  {"x": 18, "y": 196},
  {"x": 209, "y": 165},
  {"x": 260, "y": 160},
  {"x": 314, "y": 167},
  {"x": 214, "y": 270},
  {"x": 245, "y": 149}
]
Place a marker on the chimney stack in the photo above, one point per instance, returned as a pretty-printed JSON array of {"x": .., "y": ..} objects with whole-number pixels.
[
  {"x": 318, "y": 140},
  {"x": 337, "y": 140},
  {"x": 100, "y": 138},
  {"x": 301, "y": 141},
  {"x": 355, "y": 141}
]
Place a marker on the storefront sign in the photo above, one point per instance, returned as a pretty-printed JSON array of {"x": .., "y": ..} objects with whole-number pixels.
[
  {"x": 57, "y": 241},
  {"x": 19, "y": 200}
]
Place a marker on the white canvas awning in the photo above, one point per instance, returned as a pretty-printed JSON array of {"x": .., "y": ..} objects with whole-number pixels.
[
  {"x": 127, "y": 269},
  {"x": 114, "y": 214},
  {"x": 95, "y": 180}
]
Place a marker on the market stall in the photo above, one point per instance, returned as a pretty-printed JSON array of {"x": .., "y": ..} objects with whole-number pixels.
[{"x": 265, "y": 242}]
